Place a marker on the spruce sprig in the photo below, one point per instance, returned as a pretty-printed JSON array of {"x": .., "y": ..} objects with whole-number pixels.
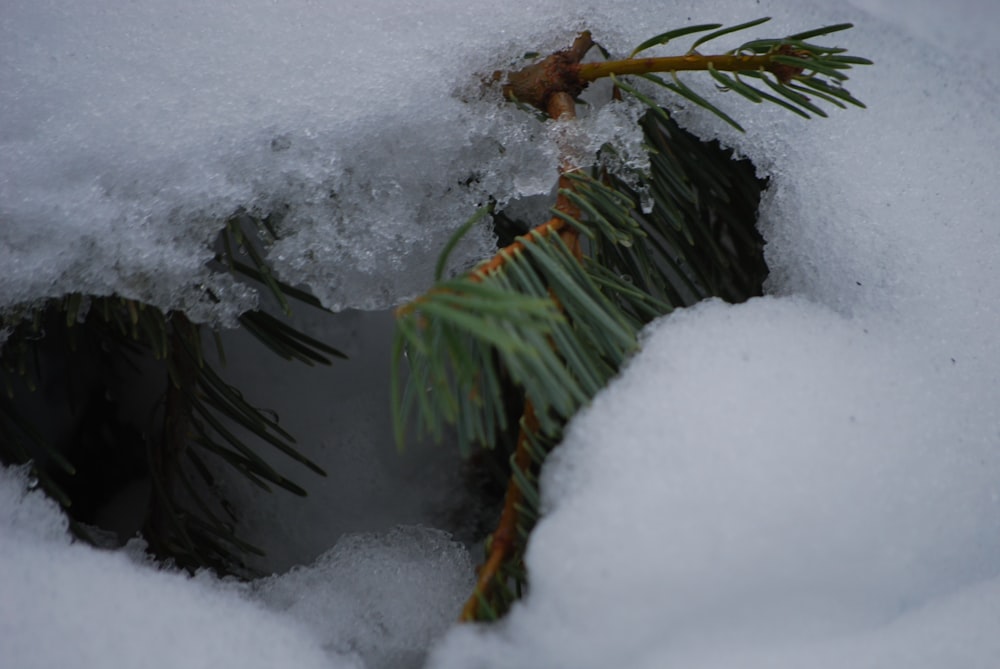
[{"x": 555, "y": 314}]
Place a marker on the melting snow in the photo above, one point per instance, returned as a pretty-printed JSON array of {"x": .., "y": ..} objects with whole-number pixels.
[{"x": 809, "y": 479}]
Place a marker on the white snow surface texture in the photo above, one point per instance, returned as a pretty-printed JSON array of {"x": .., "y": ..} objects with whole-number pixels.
[{"x": 811, "y": 479}]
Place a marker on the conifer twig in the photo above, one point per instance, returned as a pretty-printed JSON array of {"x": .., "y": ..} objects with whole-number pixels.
[
  {"x": 504, "y": 541},
  {"x": 792, "y": 62},
  {"x": 690, "y": 62},
  {"x": 555, "y": 323}
]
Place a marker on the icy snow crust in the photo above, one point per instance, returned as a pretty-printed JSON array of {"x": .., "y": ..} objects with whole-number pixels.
[
  {"x": 130, "y": 131},
  {"x": 809, "y": 479}
]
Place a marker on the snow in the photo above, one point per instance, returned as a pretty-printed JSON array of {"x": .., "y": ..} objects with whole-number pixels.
[
  {"x": 808, "y": 479},
  {"x": 812, "y": 478},
  {"x": 70, "y": 605},
  {"x": 130, "y": 131},
  {"x": 384, "y": 597},
  {"x": 67, "y": 604},
  {"x": 779, "y": 501}
]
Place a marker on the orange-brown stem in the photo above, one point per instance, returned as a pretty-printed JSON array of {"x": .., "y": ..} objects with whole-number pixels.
[
  {"x": 550, "y": 226},
  {"x": 561, "y": 106},
  {"x": 554, "y": 225},
  {"x": 537, "y": 83},
  {"x": 504, "y": 540},
  {"x": 502, "y": 257},
  {"x": 551, "y": 85}
]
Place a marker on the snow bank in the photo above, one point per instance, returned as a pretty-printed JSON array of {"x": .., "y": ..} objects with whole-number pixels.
[
  {"x": 384, "y": 597},
  {"x": 810, "y": 479},
  {"x": 374, "y": 600},
  {"x": 69, "y": 605},
  {"x": 783, "y": 495}
]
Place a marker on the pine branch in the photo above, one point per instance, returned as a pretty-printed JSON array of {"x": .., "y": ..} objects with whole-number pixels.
[
  {"x": 558, "y": 310},
  {"x": 791, "y": 67},
  {"x": 200, "y": 413}
]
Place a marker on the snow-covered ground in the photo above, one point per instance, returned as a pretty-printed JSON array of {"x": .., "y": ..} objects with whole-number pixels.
[{"x": 811, "y": 479}]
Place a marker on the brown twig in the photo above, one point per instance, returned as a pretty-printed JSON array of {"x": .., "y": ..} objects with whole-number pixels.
[
  {"x": 564, "y": 106},
  {"x": 553, "y": 225},
  {"x": 504, "y": 542},
  {"x": 561, "y": 107},
  {"x": 552, "y": 85},
  {"x": 537, "y": 83},
  {"x": 563, "y": 72}
]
